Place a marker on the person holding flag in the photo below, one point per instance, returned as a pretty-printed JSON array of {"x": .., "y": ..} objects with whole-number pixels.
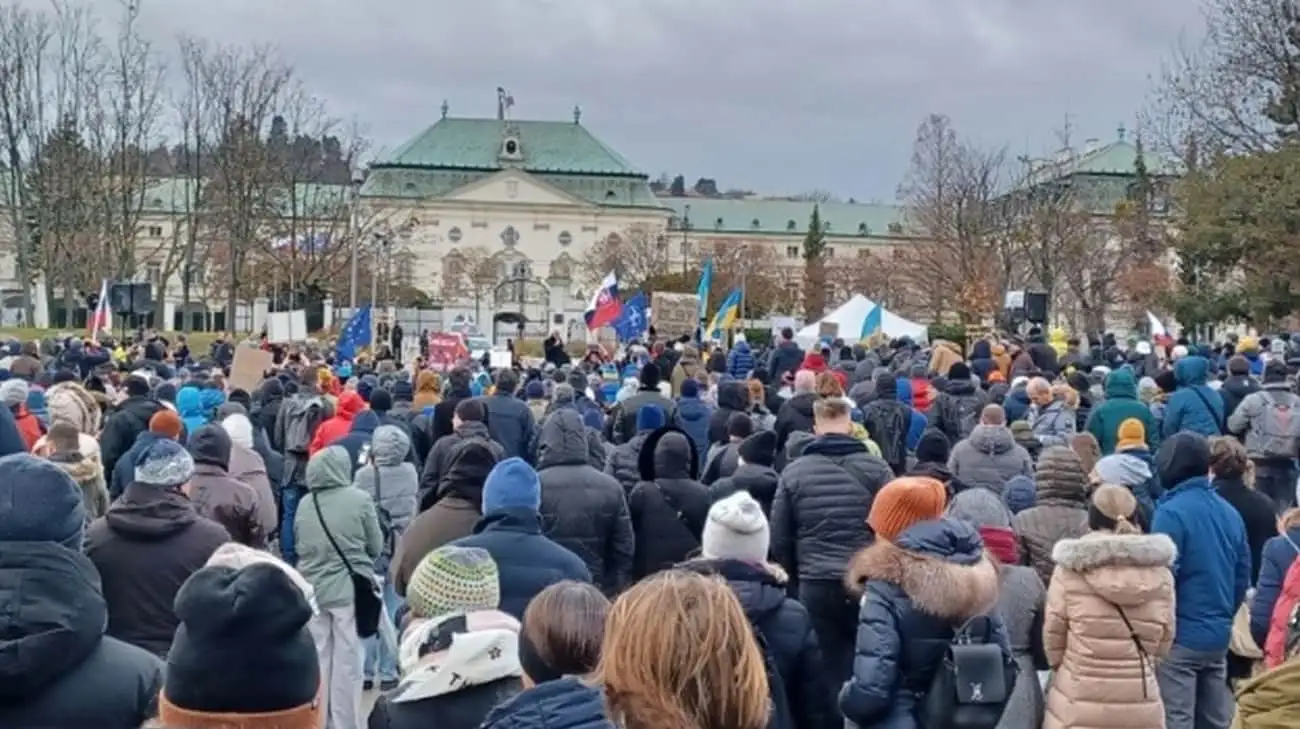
[
  {"x": 632, "y": 321},
  {"x": 101, "y": 319},
  {"x": 604, "y": 307},
  {"x": 705, "y": 285}
]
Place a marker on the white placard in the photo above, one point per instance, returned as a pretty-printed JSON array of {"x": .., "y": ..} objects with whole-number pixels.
[
  {"x": 499, "y": 359},
  {"x": 286, "y": 326}
]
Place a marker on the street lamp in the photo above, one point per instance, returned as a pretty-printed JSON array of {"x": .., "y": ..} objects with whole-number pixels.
[
  {"x": 354, "y": 200},
  {"x": 744, "y": 271},
  {"x": 686, "y": 226}
]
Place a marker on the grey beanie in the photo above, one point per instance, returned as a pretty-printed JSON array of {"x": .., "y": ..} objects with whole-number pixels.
[
  {"x": 980, "y": 507},
  {"x": 165, "y": 463},
  {"x": 736, "y": 529},
  {"x": 13, "y": 392}
]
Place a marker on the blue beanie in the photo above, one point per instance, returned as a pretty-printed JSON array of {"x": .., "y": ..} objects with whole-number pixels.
[
  {"x": 1019, "y": 494},
  {"x": 535, "y": 390},
  {"x": 592, "y": 419},
  {"x": 649, "y": 417},
  {"x": 512, "y": 484},
  {"x": 690, "y": 387},
  {"x": 39, "y": 502}
]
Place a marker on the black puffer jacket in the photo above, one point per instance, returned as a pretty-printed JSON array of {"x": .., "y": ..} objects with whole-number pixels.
[
  {"x": 1234, "y": 390},
  {"x": 759, "y": 481},
  {"x": 733, "y": 397},
  {"x": 130, "y": 419},
  {"x": 462, "y": 709},
  {"x": 796, "y": 414},
  {"x": 270, "y": 397},
  {"x": 439, "y": 459},
  {"x": 583, "y": 510},
  {"x": 668, "y": 506},
  {"x": 791, "y": 641},
  {"x": 57, "y": 668},
  {"x": 820, "y": 513},
  {"x": 624, "y": 461}
]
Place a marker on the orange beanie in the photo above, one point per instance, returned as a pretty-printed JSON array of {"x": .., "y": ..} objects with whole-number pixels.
[
  {"x": 904, "y": 502},
  {"x": 1132, "y": 434}
]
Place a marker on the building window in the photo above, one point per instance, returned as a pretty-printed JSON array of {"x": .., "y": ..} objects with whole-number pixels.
[
  {"x": 155, "y": 231},
  {"x": 541, "y": 226},
  {"x": 589, "y": 228},
  {"x": 791, "y": 225},
  {"x": 830, "y": 252},
  {"x": 896, "y": 228},
  {"x": 792, "y": 251},
  {"x": 454, "y": 235},
  {"x": 863, "y": 229},
  {"x": 565, "y": 238},
  {"x": 478, "y": 224}
]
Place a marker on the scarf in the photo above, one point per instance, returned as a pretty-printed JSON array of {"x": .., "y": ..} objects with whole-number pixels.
[
  {"x": 1001, "y": 543},
  {"x": 448, "y": 653}
]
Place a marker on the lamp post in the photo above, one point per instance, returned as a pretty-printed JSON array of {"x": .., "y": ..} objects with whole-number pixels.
[
  {"x": 744, "y": 272},
  {"x": 686, "y": 246},
  {"x": 354, "y": 194}
]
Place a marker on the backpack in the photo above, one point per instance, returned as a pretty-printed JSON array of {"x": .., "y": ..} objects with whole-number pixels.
[
  {"x": 1278, "y": 425},
  {"x": 968, "y": 415},
  {"x": 300, "y": 422},
  {"x": 973, "y": 684},
  {"x": 892, "y": 420},
  {"x": 1279, "y": 623}
]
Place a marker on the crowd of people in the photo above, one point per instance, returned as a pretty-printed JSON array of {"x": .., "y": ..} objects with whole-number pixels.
[{"x": 1027, "y": 534}]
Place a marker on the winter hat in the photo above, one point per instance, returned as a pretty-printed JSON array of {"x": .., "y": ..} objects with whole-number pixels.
[
  {"x": 535, "y": 390},
  {"x": 904, "y": 502},
  {"x": 164, "y": 463},
  {"x": 1238, "y": 365},
  {"x": 1020, "y": 493},
  {"x": 649, "y": 417},
  {"x": 402, "y": 391},
  {"x": 1021, "y": 428},
  {"x": 454, "y": 579},
  {"x": 1183, "y": 456},
  {"x": 72, "y": 403},
  {"x": 239, "y": 428},
  {"x": 165, "y": 392},
  {"x": 933, "y": 447},
  {"x": 210, "y": 445},
  {"x": 231, "y": 408},
  {"x": 39, "y": 502},
  {"x": 137, "y": 386},
  {"x": 238, "y": 556},
  {"x": 13, "y": 392},
  {"x": 1275, "y": 371},
  {"x": 1114, "y": 502},
  {"x": 650, "y": 375},
  {"x": 167, "y": 423},
  {"x": 512, "y": 484},
  {"x": 759, "y": 448},
  {"x": 690, "y": 387},
  {"x": 980, "y": 507},
  {"x": 577, "y": 380},
  {"x": 381, "y": 401},
  {"x": 1132, "y": 434},
  {"x": 1121, "y": 469},
  {"x": 243, "y": 647},
  {"x": 736, "y": 529},
  {"x": 958, "y": 372}
]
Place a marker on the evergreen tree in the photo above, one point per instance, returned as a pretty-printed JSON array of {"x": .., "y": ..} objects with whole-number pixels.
[{"x": 814, "y": 267}]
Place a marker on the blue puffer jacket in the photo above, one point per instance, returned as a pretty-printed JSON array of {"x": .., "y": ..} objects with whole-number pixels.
[
  {"x": 919, "y": 421},
  {"x": 693, "y": 416},
  {"x": 740, "y": 362},
  {"x": 189, "y": 405},
  {"x": 933, "y": 578},
  {"x": 1274, "y": 561},
  {"x": 1187, "y": 407},
  {"x": 565, "y": 703},
  {"x": 1213, "y": 568}
]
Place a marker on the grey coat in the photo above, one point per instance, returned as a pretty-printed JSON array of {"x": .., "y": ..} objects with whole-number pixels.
[
  {"x": 396, "y": 493},
  {"x": 989, "y": 457},
  {"x": 1021, "y": 601},
  {"x": 1054, "y": 424},
  {"x": 1248, "y": 418}
]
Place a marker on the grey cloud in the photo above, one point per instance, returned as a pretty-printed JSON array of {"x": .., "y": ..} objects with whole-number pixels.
[{"x": 777, "y": 95}]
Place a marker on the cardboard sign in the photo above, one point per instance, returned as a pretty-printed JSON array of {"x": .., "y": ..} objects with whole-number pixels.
[
  {"x": 247, "y": 368},
  {"x": 286, "y": 326},
  {"x": 499, "y": 359},
  {"x": 675, "y": 314},
  {"x": 446, "y": 350},
  {"x": 828, "y": 330}
]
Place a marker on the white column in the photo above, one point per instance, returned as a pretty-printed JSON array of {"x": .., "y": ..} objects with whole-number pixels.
[
  {"x": 168, "y": 322},
  {"x": 261, "y": 306},
  {"x": 328, "y": 306}
]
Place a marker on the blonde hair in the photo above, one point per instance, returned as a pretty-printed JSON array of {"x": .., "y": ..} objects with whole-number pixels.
[
  {"x": 1228, "y": 457},
  {"x": 828, "y": 386},
  {"x": 1066, "y": 394},
  {"x": 679, "y": 653}
]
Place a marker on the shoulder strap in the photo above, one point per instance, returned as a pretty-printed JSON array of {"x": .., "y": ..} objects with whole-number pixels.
[
  {"x": 1291, "y": 541},
  {"x": 681, "y": 514},
  {"x": 379, "y": 490},
  {"x": 315, "y": 501},
  {"x": 1218, "y": 423},
  {"x": 1143, "y": 656}
]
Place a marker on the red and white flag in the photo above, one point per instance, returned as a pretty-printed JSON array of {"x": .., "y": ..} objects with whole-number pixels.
[
  {"x": 605, "y": 306},
  {"x": 101, "y": 319}
]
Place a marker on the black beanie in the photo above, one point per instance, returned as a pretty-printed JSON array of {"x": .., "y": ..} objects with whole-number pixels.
[
  {"x": 958, "y": 372},
  {"x": 650, "y": 375},
  {"x": 137, "y": 386},
  {"x": 210, "y": 444},
  {"x": 243, "y": 645},
  {"x": 933, "y": 447},
  {"x": 759, "y": 448},
  {"x": 380, "y": 401},
  {"x": 1182, "y": 457}
]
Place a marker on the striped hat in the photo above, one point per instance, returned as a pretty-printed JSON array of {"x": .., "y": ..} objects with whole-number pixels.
[{"x": 452, "y": 580}]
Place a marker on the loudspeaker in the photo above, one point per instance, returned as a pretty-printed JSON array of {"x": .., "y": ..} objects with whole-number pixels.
[
  {"x": 131, "y": 298},
  {"x": 1036, "y": 307}
]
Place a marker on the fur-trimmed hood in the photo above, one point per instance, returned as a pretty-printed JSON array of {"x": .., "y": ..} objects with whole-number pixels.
[
  {"x": 940, "y": 565},
  {"x": 1118, "y": 567}
]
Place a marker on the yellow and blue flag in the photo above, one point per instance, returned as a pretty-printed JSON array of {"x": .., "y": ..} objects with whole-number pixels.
[
  {"x": 702, "y": 290},
  {"x": 874, "y": 323},
  {"x": 728, "y": 312}
]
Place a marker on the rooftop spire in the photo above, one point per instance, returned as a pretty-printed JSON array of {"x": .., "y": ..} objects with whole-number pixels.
[
  {"x": 446, "y": 108},
  {"x": 577, "y": 114},
  {"x": 1122, "y": 132}
]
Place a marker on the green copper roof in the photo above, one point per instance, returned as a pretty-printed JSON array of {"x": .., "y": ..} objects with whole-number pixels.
[
  {"x": 1119, "y": 158},
  {"x": 419, "y": 184},
  {"x": 172, "y": 196},
  {"x": 785, "y": 217},
  {"x": 475, "y": 144}
]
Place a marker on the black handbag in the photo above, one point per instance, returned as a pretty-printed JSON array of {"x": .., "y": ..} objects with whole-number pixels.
[
  {"x": 367, "y": 598},
  {"x": 972, "y": 685}
]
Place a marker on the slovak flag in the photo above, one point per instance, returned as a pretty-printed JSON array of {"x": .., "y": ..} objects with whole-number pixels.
[
  {"x": 605, "y": 306},
  {"x": 100, "y": 320}
]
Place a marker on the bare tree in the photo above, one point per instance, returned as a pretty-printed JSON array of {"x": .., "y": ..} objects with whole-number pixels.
[{"x": 636, "y": 254}]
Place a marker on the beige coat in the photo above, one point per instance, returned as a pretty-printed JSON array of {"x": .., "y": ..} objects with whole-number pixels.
[{"x": 1099, "y": 680}]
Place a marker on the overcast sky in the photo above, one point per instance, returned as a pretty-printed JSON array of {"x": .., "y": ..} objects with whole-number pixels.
[{"x": 774, "y": 95}]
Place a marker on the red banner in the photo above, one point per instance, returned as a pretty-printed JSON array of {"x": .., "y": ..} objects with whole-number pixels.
[{"x": 446, "y": 350}]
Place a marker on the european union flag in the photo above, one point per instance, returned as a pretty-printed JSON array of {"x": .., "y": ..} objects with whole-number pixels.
[
  {"x": 355, "y": 335},
  {"x": 631, "y": 322},
  {"x": 874, "y": 322}
]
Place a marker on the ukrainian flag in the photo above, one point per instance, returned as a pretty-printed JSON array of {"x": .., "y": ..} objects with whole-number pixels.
[{"x": 727, "y": 314}]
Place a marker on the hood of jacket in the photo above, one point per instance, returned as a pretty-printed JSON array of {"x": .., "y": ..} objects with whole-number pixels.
[
  {"x": 1060, "y": 478},
  {"x": 903, "y": 388},
  {"x": 1120, "y": 384},
  {"x": 350, "y": 403},
  {"x": 54, "y": 616},
  {"x": 802, "y": 403},
  {"x": 565, "y": 703},
  {"x": 1241, "y": 385},
  {"x": 991, "y": 439},
  {"x": 272, "y": 391},
  {"x": 82, "y": 469},
  {"x": 1125, "y": 469},
  {"x": 761, "y": 589},
  {"x": 1191, "y": 371},
  {"x": 887, "y": 386},
  {"x": 961, "y": 387},
  {"x": 474, "y": 429},
  {"x": 389, "y": 445},
  {"x": 365, "y": 422},
  {"x": 150, "y": 513},
  {"x": 189, "y": 402},
  {"x": 981, "y": 349},
  {"x": 940, "y": 565},
  {"x": 140, "y": 408},
  {"x": 742, "y": 346},
  {"x": 467, "y": 468},
  {"x": 563, "y": 440},
  {"x": 693, "y": 410},
  {"x": 330, "y": 468},
  {"x": 733, "y": 395},
  {"x": 668, "y": 453},
  {"x": 1118, "y": 567}
]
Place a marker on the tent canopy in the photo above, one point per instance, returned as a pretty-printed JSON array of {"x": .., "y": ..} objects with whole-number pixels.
[{"x": 850, "y": 317}]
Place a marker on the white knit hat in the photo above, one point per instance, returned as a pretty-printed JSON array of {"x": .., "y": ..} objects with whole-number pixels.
[{"x": 737, "y": 529}]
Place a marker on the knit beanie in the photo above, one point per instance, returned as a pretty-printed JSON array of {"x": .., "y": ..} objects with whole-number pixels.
[
  {"x": 1114, "y": 502},
  {"x": 1020, "y": 493},
  {"x": 535, "y": 390},
  {"x": 381, "y": 401},
  {"x": 39, "y": 502},
  {"x": 512, "y": 484},
  {"x": 904, "y": 502},
  {"x": 454, "y": 579},
  {"x": 1132, "y": 434},
  {"x": 650, "y": 376},
  {"x": 649, "y": 417},
  {"x": 690, "y": 387},
  {"x": 933, "y": 447},
  {"x": 736, "y": 529},
  {"x": 242, "y": 647},
  {"x": 13, "y": 392},
  {"x": 1275, "y": 371},
  {"x": 592, "y": 418},
  {"x": 137, "y": 386},
  {"x": 759, "y": 448},
  {"x": 959, "y": 372},
  {"x": 980, "y": 507},
  {"x": 166, "y": 423},
  {"x": 164, "y": 463}
]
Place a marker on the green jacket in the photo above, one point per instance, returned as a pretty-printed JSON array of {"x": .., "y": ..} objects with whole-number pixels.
[
  {"x": 1121, "y": 404},
  {"x": 350, "y": 514}
]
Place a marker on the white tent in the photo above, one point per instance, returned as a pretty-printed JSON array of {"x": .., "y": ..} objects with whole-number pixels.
[{"x": 850, "y": 318}]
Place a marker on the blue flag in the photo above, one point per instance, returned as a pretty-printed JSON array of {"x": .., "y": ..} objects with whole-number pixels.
[
  {"x": 355, "y": 335},
  {"x": 631, "y": 322},
  {"x": 702, "y": 291},
  {"x": 875, "y": 322}
]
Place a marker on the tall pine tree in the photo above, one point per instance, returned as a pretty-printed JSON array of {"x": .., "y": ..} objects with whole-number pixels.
[{"x": 814, "y": 268}]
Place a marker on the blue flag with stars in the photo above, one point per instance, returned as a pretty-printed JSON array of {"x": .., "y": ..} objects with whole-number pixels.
[
  {"x": 355, "y": 335},
  {"x": 631, "y": 322}
]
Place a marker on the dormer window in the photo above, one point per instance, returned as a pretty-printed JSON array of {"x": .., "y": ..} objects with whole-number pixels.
[
  {"x": 510, "y": 148},
  {"x": 863, "y": 229}
]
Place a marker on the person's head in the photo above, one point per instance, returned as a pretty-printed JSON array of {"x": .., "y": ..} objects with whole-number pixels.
[
  {"x": 650, "y": 376},
  {"x": 829, "y": 386},
  {"x": 563, "y": 631},
  {"x": 39, "y": 502},
  {"x": 679, "y": 652},
  {"x": 1132, "y": 435},
  {"x": 166, "y": 423},
  {"x": 1039, "y": 391},
  {"x": 739, "y": 427},
  {"x": 63, "y": 439},
  {"x": 759, "y": 449},
  {"x": 993, "y": 415},
  {"x": 736, "y": 528},
  {"x": 1228, "y": 458},
  {"x": 757, "y": 393},
  {"x": 805, "y": 381},
  {"x": 459, "y": 379},
  {"x": 469, "y": 410},
  {"x": 903, "y": 502},
  {"x": 1112, "y": 509},
  {"x": 164, "y": 464},
  {"x": 1275, "y": 372},
  {"x": 1183, "y": 456},
  {"x": 453, "y": 579},
  {"x": 512, "y": 484},
  {"x": 787, "y": 334},
  {"x": 832, "y": 416},
  {"x": 507, "y": 381},
  {"x": 1085, "y": 445},
  {"x": 211, "y": 445},
  {"x": 1238, "y": 365},
  {"x": 649, "y": 418}
]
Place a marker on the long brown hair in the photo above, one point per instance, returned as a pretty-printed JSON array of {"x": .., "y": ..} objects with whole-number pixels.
[
  {"x": 565, "y": 623},
  {"x": 680, "y": 653}
]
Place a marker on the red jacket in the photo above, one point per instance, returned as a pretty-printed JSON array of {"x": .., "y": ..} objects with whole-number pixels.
[
  {"x": 814, "y": 362},
  {"x": 922, "y": 394},
  {"x": 29, "y": 427},
  {"x": 350, "y": 403}
]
